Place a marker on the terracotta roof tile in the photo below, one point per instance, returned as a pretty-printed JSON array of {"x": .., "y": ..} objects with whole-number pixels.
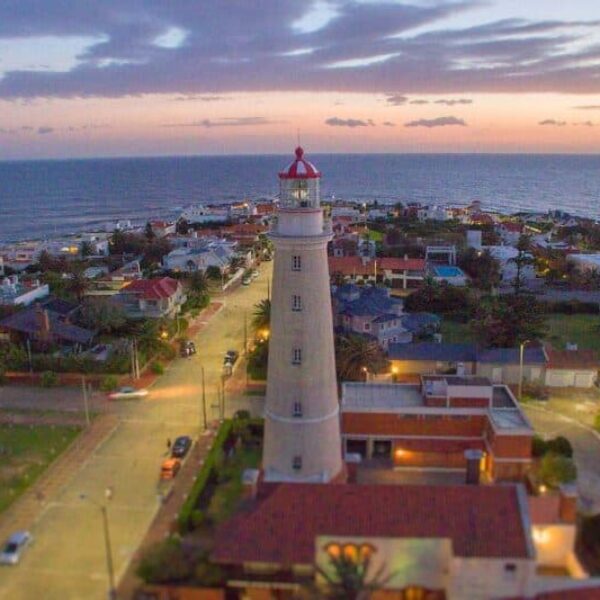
[
  {"x": 152, "y": 289},
  {"x": 481, "y": 521},
  {"x": 351, "y": 265}
]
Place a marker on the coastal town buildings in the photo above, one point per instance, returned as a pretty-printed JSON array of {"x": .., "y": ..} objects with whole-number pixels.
[
  {"x": 14, "y": 292},
  {"x": 151, "y": 298}
]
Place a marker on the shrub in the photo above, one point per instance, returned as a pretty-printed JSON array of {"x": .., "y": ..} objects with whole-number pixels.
[
  {"x": 539, "y": 446},
  {"x": 556, "y": 469},
  {"x": 48, "y": 379},
  {"x": 561, "y": 446},
  {"x": 165, "y": 562},
  {"x": 157, "y": 368},
  {"x": 597, "y": 422},
  {"x": 109, "y": 383}
]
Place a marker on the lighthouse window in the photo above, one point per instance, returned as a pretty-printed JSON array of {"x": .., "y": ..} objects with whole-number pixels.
[
  {"x": 297, "y": 409},
  {"x": 296, "y": 303},
  {"x": 297, "y": 356},
  {"x": 296, "y": 263},
  {"x": 297, "y": 463}
]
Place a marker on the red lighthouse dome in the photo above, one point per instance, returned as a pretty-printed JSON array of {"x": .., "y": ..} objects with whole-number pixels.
[{"x": 300, "y": 168}]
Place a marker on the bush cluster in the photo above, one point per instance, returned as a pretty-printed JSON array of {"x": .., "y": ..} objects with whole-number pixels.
[{"x": 571, "y": 307}]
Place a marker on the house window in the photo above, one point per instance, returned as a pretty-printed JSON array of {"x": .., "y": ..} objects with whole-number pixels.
[
  {"x": 297, "y": 463},
  {"x": 297, "y": 412},
  {"x": 296, "y": 303},
  {"x": 367, "y": 326},
  {"x": 296, "y": 263},
  {"x": 297, "y": 356}
]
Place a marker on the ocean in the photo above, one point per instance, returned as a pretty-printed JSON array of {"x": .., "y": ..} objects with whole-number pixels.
[{"x": 40, "y": 199}]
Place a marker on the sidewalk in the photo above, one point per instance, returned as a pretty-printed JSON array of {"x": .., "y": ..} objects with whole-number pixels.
[
  {"x": 25, "y": 511},
  {"x": 164, "y": 521}
]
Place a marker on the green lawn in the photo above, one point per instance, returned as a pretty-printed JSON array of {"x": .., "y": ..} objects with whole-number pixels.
[
  {"x": 25, "y": 453},
  {"x": 584, "y": 330},
  {"x": 455, "y": 333},
  {"x": 375, "y": 236}
]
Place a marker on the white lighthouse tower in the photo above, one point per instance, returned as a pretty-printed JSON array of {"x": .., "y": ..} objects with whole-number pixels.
[{"x": 302, "y": 428}]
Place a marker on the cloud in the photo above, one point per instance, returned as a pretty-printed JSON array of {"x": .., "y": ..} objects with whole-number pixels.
[
  {"x": 196, "y": 98},
  {"x": 352, "y": 123},
  {"x": 226, "y": 122},
  {"x": 367, "y": 47},
  {"x": 418, "y": 101},
  {"x": 389, "y": 124},
  {"x": 588, "y": 107},
  {"x": 438, "y": 122},
  {"x": 397, "y": 99},
  {"x": 45, "y": 130},
  {"x": 553, "y": 122},
  {"x": 585, "y": 124},
  {"x": 453, "y": 102}
]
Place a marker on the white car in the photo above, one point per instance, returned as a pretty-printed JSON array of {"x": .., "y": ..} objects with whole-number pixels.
[
  {"x": 14, "y": 547},
  {"x": 127, "y": 392}
]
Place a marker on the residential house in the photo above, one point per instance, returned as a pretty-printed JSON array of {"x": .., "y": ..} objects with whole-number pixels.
[
  {"x": 14, "y": 292},
  {"x": 46, "y": 326},
  {"x": 506, "y": 255},
  {"x": 401, "y": 273},
  {"x": 427, "y": 542},
  {"x": 571, "y": 368},
  {"x": 378, "y": 214},
  {"x": 433, "y": 213},
  {"x": 430, "y": 357},
  {"x": 503, "y": 365},
  {"x": 434, "y": 423},
  {"x": 585, "y": 262},
  {"x": 346, "y": 245},
  {"x": 151, "y": 298},
  {"x": 162, "y": 228},
  {"x": 510, "y": 232},
  {"x": 199, "y": 259}
]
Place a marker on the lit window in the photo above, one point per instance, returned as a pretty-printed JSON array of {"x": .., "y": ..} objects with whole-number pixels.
[
  {"x": 297, "y": 463},
  {"x": 297, "y": 409},
  {"x": 296, "y": 303},
  {"x": 297, "y": 356},
  {"x": 296, "y": 263}
]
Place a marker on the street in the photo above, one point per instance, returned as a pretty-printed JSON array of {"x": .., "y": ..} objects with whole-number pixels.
[{"x": 67, "y": 559}]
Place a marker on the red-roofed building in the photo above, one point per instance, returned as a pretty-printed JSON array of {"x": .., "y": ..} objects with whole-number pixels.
[
  {"x": 162, "y": 228},
  {"x": 151, "y": 298},
  {"x": 571, "y": 368},
  {"x": 443, "y": 541},
  {"x": 401, "y": 272}
]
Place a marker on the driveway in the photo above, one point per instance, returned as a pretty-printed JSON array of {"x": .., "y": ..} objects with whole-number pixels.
[{"x": 67, "y": 560}]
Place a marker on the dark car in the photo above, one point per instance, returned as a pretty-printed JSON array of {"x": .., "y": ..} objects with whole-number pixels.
[
  {"x": 187, "y": 348},
  {"x": 230, "y": 357},
  {"x": 181, "y": 446}
]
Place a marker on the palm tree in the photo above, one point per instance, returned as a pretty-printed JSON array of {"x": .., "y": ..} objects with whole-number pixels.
[
  {"x": 261, "y": 318},
  {"x": 357, "y": 355},
  {"x": 78, "y": 284}
]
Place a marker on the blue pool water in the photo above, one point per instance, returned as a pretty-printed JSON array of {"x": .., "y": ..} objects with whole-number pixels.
[{"x": 444, "y": 271}]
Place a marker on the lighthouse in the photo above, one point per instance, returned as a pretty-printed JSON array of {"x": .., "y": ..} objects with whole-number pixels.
[{"x": 302, "y": 428}]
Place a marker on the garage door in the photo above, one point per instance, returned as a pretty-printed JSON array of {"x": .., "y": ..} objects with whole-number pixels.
[
  {"x": 583, "y": 380},
  {"x": 559, "y": 378}
]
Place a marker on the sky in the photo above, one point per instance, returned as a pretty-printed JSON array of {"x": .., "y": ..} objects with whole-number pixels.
[{"x": 149, "y": 77}]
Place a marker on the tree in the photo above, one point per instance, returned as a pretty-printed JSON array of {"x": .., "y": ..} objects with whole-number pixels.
[
  {"x": 355, "y": 353},
  {"x": 522, "y": 260},
  {"x": 482, "y": 267},
  {"x": 198, "y": 283},
  {"x": 105, "y": 318},
  {"x": 182, "y": 227},
  {"x": 507, "y": 321},
  {"x": 440, "y": 298},
  {"x": 261, "y": 318},
  {"x": 78, "y": 284},
  {"x": 154, "y": 252},
  {"x": 213, "y": 272},
  {"x": 86, "y": 249},
  {"x": 149, "y": 232}
]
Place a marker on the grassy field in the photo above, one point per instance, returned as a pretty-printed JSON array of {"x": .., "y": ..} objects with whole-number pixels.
[
  {"x": 25, "y": 453},
  {"x": 456, "y": 333},
  {"x": 584, "y": 330}
]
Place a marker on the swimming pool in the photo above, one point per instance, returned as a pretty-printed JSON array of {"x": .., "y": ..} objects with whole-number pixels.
[{"x": 448, "y": 271}]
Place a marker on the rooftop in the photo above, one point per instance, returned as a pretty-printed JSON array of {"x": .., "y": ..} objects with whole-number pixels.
[
  {"x": 373, "y": 397},
  {"x": 281, "y": 527}
]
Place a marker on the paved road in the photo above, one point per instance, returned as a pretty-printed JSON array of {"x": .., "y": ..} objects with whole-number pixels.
[{"x": 67, "y": 560}]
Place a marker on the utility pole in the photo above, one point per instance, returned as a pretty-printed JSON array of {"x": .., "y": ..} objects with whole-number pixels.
[
  {"x": 268, "y": 289},
  {"x": 30, "y": 359},
  {"x": 204, "y": 400},
  {"x": 112, "y": 590},
  {"x": 222, "y": 402},
  {"x": 85, "y": 400},
  {"x": 245, "y": 334}
]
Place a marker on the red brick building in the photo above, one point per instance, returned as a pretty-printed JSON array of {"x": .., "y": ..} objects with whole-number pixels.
[{"x": 433, "y": 423}]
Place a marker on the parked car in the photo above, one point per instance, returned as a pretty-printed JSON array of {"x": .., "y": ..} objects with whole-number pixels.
[
  {"x": 230, "y": 357},
  {"x": 169, "y": 468},
  {"x": 181, "y": 446},
  {"x": 128, "y": 392},
  {"x": 254, "y": 274},
  {"x": 246, "y": 280},
  {"x": 14, "y": 547},
  {"x": 187, "y": 348}
]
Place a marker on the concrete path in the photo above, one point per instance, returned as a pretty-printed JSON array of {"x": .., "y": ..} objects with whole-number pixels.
[{"x": 67, "y": 561}]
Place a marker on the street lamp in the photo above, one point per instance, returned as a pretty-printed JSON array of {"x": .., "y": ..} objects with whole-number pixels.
[
  {"x": 521, "y": 352},
  {"x": 112, "y": 590},
  {"x": 366, "y": 372}
]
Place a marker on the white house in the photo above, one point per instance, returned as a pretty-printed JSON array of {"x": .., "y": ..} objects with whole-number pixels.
[
  {"x": 506, "y": 255},
  {"x": 13, "y": 292}
]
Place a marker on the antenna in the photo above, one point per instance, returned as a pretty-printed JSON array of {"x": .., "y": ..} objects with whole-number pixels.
[{"x": 298, "y": 135}]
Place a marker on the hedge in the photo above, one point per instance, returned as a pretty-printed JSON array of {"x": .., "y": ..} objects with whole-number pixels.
[
  {"x": 187, "y": 518},
  {"x": 571, "y": 307}
]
